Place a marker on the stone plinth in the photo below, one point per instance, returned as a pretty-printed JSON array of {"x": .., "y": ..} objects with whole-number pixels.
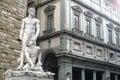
[
  {"x": 28, "y": 75},
  {"x": 27, "y": 78}
]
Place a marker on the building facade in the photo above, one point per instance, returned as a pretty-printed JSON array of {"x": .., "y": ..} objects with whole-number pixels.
[{"x": 80, "y": 39}]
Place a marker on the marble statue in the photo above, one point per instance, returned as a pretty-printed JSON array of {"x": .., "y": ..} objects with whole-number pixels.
[
  {"x": 30, "y": 58},
  {"x": 68, "y": 76},
  {"x": 29, "y": 32}
]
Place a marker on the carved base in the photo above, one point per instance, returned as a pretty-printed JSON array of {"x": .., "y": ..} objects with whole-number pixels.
[
  {"x": 28, "y": 75},
  {"x": 27, "y": 78}
]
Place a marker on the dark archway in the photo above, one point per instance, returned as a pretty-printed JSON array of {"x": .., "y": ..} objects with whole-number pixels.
[{"x": 50, "y": 63}]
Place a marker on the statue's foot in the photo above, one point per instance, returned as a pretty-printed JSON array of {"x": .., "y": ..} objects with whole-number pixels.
[{"x": 19, "y": 67}]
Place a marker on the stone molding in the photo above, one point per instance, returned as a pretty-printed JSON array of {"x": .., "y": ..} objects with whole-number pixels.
[
  {"x": 77, "y": 8},
  {"x": 99, "y": 19},
  {"x": 77, "y": 31},
  {"x": 117, "y": 29},
  {"x": 49, "y": 8},
  {"x": 28, "y": 75},
  {"x": 51, "y": 30},
  {"x": 88, "y": 35},
  {"x": 88, "y": 14},
  {"x": 110, "y": 25}
]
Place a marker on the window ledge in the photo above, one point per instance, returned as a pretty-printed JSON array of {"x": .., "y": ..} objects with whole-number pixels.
[
  {"x": 77, "y": 31},
  {"x": 111, "y": 44},
  {"x": 99, "y": 39},
  {"x": 47, "y": 31},
  {"x": 118, "y": 46},
  {"x": 88, "y": 35}
]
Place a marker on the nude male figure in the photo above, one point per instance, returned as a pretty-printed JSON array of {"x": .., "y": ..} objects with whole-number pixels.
[{"x": 30, "y": 30}]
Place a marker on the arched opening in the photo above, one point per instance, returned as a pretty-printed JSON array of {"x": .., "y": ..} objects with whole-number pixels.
[{"x": 50, "y": 63}]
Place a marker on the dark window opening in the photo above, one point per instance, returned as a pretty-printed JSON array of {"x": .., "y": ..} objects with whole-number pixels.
[
  {"x": 99, "y": 75},
  {"x": 110, "y": 36},
  {"x": 98, "y": 30},
  {"x": 76, "y": 74},
  {"x": 112, "y": 76},
  {"x": 76, "y": 21},
  {"x": 49, "y": 21},
  {"x": 88, "y": 26},
  {"x": 88, "y": 74}
]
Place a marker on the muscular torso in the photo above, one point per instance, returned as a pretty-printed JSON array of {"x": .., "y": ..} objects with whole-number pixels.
[{"x": 30, "y": 25}]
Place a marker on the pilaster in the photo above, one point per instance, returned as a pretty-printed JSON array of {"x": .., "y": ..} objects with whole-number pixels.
[{"x": 65, "y": 68}]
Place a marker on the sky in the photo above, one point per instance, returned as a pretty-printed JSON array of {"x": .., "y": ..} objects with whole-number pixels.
[{"x": 116, "y": 2}]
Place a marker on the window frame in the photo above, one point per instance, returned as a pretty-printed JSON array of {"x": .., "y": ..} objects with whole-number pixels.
[
  {"x": 77, "y": 12},
  {"x": 49, "y": 10}
]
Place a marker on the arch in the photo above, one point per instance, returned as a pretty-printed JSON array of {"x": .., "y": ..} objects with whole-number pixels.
[
  {"x": 50, "y": 62},
  {"x": 44, "y": 55}
]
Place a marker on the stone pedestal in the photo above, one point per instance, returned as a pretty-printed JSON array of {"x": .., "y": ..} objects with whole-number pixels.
[{"x": 28, "y": 75}]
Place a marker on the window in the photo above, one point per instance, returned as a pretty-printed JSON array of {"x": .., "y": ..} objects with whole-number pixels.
[
  {"x": 117, "y": 38},
  {"x": 118, "y": 58},
  {"x": 98, "y": 31},
  {"x": 98, "y": 22},
  {"x": 76, "y": 21},
  {"x": 49, "y": 25},
  {"x": 111, "y": 56},
  {"x": 88, "y": 26},
  {"x": 107, "y": 5},
  {"x": 117, "y": 32},
  {"x": 88, "y": 16},
  {"x": 96, "y": 1},
  {"x": 110, "y": 36},
  {"x": 49, "y": 21},
  {"x": 76, "y": 16},
  {"x": 114, "y": 9}
]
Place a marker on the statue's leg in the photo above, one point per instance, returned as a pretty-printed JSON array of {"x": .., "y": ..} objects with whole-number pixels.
[
  {"x": 21, "y": 60},
  {"x": 27, "y": 55},
  {"x": 39, "y": 56}
]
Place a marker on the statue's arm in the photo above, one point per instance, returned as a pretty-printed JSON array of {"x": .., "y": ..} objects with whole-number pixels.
[
  {"x": 37, "y": 29},
  {"x": 22, "y": 29}
]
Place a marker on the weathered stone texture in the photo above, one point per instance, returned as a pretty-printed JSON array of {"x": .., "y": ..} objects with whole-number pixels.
[{"x": 11, "y": 14}]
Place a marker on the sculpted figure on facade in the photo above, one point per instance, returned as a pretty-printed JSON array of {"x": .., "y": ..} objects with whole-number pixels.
[
  {"x": 29, "y": 33},
  {"x": 68, "y": 76}
]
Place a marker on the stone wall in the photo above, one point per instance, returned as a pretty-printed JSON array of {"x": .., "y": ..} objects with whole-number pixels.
[{"x": 11, "y": 14}]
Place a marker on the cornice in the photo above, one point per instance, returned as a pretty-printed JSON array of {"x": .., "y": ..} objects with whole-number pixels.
[
  {"x": 43, "y": 3},
  {"x": 70, "y": 33}
]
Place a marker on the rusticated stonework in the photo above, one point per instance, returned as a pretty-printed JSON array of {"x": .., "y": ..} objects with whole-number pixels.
[{"x": 11, "y": 14}]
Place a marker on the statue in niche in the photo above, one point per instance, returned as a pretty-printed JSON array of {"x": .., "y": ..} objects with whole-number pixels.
[
  {"x": 29, "y": 33},
  {"x": 68, "y": 76}
]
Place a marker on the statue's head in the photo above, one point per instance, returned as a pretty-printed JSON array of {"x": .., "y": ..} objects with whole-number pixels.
[{"x": 31, "y": 11}]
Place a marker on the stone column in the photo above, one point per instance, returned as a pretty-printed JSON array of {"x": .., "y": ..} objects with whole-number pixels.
[
  {"x": 116, "y": 77},
  {"x": 94, "y": 75},
  {"x": 65, "y": 67},
  {"x": 83, "y": 74},
  {"x": 103, "y": 76},
  {"x": 107, "y": 74}
]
